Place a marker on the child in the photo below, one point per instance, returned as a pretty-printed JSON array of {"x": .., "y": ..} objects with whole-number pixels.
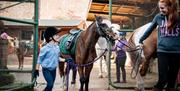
[
  {"x": 49, "y": 57},
  {"x": 120, "y": 57}
]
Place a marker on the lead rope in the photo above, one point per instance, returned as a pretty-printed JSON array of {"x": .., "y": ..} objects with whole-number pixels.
[
  {"x": 137, "y": 59},
  {"x": 68, "y": 69},
  {"x": 67, "y": 81},
  {"x": 136, "y": 65}
]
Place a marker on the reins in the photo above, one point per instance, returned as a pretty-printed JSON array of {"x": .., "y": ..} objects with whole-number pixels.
[
  {"x": 87, "y": 64},
  {"x": 135, "y": 67}
]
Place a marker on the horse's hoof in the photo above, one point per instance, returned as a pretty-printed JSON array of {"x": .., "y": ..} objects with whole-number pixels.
[
  {"x": 100, "y": 76},
  {"x": 73, "y": 85},
  {"x": 21, "y": 68},
  {"x": 73, "y": 82}
]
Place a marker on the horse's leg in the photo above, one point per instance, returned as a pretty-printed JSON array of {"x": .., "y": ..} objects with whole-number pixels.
[
  {"x": 19, "y": 57},
  {"x": 139, "y": 83},
  {"x": 74, "y": 72},
  {"x": 62, "y": 73},
  {"x": 19, "y": 61},
  {"x": 105, "y": 65},
  {"x": 87, "y": 75},
  {"x": 22, "y": 61},
  {"x": 100, "y": 68},
  {"x": 145, "y": 65},
  {"x": 82, "y": 78},
  {"x": 61, "y": 69}
]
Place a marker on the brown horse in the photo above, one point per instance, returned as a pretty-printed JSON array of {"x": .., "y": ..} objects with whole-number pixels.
[
  {"x": 85, "y": 51},
  {"x": 21, "y": 52},
  {"x": 147, "y": 54},
  {"x": 19, "y": 48}
]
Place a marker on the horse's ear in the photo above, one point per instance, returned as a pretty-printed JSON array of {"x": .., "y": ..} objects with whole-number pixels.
[
  {"x": 95, "y": 17},
  {"x": 98, "y": 18}
]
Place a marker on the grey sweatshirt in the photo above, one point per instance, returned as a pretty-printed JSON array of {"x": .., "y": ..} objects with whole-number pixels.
[{"x": 168, "y": 41}]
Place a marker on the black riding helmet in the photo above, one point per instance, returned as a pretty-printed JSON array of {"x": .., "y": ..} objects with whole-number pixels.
[{"x": 49, "y": 33}]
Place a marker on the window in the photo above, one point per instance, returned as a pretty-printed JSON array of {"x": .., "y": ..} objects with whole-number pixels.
[{"x": 27, "y": 35}]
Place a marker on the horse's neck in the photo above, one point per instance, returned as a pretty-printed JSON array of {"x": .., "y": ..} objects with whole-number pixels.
[
  {"x": 90, "y": 35},
  {"x": 16, "y": 43},
  {"x": 102, "y": 42},
  {"x": 11, "y": 43}
]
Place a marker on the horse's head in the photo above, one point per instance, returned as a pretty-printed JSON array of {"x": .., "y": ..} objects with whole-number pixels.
[{"x": 105, "y": 29}]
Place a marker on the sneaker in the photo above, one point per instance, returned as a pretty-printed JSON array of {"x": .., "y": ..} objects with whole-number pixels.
[
  {"x": 117, "y": 82},
  {"x": 156, "y": 89},
  {"x": 123, "y": 82}
]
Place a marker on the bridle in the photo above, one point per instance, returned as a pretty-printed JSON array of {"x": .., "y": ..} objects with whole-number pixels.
[{"x": 100, "y": 31}]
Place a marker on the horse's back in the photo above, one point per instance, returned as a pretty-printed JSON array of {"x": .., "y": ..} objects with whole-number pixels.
[
  {"x": 21, "y": 49},
  {"x": 150, "y": 43},
  {"x": 149, "y": 47}
]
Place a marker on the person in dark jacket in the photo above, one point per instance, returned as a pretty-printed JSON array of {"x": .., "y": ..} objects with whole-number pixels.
[
  {"x": 168, "y": 45},
  {"x": 120, "y": 59}
]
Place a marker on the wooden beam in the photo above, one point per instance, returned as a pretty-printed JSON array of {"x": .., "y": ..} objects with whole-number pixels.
[
  {"x": 120, "y": 14},
  {"x": 144, "y": 4}
]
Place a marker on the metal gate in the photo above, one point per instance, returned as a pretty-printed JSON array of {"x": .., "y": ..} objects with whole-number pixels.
[{"x": 14, "y": 78}]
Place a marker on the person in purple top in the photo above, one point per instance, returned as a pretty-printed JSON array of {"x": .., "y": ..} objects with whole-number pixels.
[{"x": 120, "y": 59}]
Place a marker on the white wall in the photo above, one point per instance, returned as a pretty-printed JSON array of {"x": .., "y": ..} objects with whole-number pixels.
[{"x": 48, "y": 9}]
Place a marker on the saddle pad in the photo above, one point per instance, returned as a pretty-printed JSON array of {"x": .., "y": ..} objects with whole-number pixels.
[{"x": 62, "y": 44}]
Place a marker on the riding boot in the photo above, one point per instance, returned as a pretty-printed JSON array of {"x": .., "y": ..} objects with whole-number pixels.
[
  {"x": 156, "y": 89},
  {"x": 124, "y": 76},
  {"x": 170, "y": 89}
]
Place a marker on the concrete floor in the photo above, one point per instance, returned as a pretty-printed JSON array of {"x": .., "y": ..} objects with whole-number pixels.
[
  {"x": 95, "y": 84},
  {"x": 99, "y": 84}
]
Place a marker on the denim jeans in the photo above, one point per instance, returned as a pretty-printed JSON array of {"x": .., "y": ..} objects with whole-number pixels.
[{"x": 49, "y": 76}]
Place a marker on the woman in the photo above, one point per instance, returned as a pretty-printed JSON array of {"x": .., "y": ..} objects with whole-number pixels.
[
  {"x": 49, "y": 57},
  {"x": 168, "y": 46}
]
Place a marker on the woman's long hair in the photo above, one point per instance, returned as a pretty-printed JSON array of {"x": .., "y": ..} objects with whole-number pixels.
[{"x": 173, "y": 15}]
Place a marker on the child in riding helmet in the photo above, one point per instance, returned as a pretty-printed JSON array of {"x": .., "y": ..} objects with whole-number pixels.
[
  {"x": 120, "y": 57},
  {"x": 49, "y": 57}
]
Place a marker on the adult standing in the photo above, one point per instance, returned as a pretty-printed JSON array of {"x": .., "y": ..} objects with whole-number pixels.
[{"x": 168, "y": 46}]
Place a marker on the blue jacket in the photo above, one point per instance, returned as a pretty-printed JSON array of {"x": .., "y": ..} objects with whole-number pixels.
[{"x": 49, "y": 56}]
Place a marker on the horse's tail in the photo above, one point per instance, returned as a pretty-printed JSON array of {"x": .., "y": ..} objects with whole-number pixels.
[{"x": 61, "y": 68}]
